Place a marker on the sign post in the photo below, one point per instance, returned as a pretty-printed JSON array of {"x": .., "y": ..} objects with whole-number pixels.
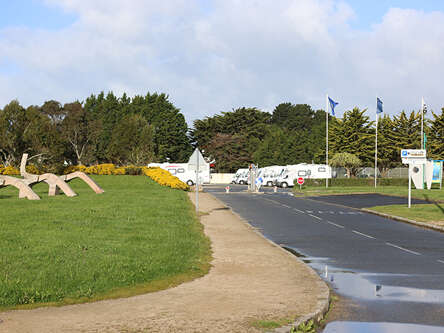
[
  {"x": 300, "y": 182},
  {"x": 414, "y": 157},
  {"x": 193, "y": 164}
]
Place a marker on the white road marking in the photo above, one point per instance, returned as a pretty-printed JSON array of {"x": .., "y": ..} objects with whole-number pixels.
[
  {"x": 316, "y": 217},
  {"x": 300, "y": 211},
  {"x": 309, "y": 211},
  {"x": 286, "y": 206},
  {"x": 403, "y": 249},
  {"x": 442, "y": 262},
  {"x": 336, "y": 225},
  {"x": 365, "y": 235}
]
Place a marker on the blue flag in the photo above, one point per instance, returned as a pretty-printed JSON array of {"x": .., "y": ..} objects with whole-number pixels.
[
  {"x": 379, "y": 106},
  {"x": 332, "y": 105}
]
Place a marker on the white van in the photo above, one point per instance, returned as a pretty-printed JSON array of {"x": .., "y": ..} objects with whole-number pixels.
[
  {"x": 306, "y": 171},
  {"x": 183, "y": 172},
  {"x": 243, "y": 177},
  {"x": 237, "y": 175}
]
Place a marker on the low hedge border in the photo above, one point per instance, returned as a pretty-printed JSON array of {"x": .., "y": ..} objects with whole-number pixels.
[{"x": 345, "y": 182}]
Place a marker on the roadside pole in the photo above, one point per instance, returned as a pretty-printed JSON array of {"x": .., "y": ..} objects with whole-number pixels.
[
  {"x": 197, "y": 183},
  {"x": 410, "y": 187},
  {"x": 326, "y": 137}
]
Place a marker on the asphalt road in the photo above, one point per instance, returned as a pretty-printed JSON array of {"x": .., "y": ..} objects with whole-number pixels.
[{"x": 390, "y": 271}]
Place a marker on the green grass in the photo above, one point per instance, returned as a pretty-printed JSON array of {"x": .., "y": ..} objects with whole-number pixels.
[
  {"x": 422, "y": 213},
  {"x": 134, "y": 238},
  {"x": 431, "y": 195}
]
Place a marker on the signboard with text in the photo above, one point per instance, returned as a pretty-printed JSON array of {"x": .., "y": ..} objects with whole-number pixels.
[{"x": 413, "y": 156}]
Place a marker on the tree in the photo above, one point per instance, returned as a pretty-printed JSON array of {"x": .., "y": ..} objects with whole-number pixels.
[
  {"x": 81, "y": 132},
  {"x": 353, "y": 134},
  {"x": 132, "y": 142},
  {"x": 350, "y": 162},
  {"x": 436, "y": 136},
  {"x": 388, "y": 154},
  {"x": 230, "y": 152}
]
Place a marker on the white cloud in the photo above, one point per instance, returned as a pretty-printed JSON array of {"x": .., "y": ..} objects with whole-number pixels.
[{"x": 231, "y": 53}]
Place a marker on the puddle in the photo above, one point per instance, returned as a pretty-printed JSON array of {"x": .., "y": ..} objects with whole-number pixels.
[
  {"x": 364, "y": 327},
  {"x": 368, "y": 286}
]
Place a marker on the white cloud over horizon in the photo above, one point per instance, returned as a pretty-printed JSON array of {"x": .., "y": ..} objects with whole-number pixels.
[{"x": 232, "y": 53}]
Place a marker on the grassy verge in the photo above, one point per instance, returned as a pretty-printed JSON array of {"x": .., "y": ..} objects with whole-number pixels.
[
  {"x": 421, "y": 213},
  {"x": 136, "y": 237},
  {"x": 431, "y": 195}
]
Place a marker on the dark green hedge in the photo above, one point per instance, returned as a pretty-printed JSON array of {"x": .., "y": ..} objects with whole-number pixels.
[{"x": 357, "y": 182}]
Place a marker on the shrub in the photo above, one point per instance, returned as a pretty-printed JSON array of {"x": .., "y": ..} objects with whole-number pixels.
[
  {"x": 31, "y": 168},
  {"x": 165, "y": 178},
  {"x": 345, "y": 182},
  {"x": 133, "y": 170},
  {"x": 10, "y": 171},
  {"x": 74, "y": 168}
]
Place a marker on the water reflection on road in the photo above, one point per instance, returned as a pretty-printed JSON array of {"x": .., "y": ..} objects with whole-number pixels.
[{"x": 363, "y": 327}]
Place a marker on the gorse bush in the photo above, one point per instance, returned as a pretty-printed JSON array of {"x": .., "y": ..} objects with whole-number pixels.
[
  {"x": 165, "y": 178},
  {"x": 9, "y": 171}
]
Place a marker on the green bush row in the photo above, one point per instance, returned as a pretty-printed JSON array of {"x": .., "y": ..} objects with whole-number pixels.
[{"x": 343, "y": 182}]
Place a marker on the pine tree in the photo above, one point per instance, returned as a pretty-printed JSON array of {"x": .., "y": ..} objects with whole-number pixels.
[
  {"x": 353, "y": 134},
  {"x": 436, "y": 136}
]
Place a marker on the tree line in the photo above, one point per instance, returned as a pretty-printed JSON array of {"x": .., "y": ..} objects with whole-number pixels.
[
  {"x": 101, "y": 129},
  {"x": 143, "y": 129}
]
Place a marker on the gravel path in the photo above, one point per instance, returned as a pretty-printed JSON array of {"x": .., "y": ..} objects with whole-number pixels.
[{"x": 251, "y": 279}]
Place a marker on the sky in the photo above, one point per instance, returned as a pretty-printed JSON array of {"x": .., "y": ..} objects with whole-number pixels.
[{"x": 211, "y": 56}]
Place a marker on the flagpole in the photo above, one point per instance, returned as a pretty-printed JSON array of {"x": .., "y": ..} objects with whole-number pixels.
[
  {"x": 326, "y": 140},
  {"x": 376, "y": 144},
  {"x": 422, "y": 123}
]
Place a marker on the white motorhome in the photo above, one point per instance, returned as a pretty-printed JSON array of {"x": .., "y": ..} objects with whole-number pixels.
[
  {"x": 306, "y": 171},
  {"x": 237, "y": 175},
  {"x": 271, "y": 174},
  {"x": 184, "y": 173},
  {"x": 243, "y": 178}
]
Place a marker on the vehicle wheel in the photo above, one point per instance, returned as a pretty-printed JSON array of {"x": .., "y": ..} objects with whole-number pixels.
[
  {"x": 270, "y": 184},
  {"x": 190, "y": 183},
  {"x": 284, "y": 185},
  {"x": 241, "y": 182}
]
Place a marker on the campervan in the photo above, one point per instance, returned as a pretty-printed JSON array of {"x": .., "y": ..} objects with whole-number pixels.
[
  {"x": 238, "y": 175},
  {"x": 243, "y": 177},
  {"x": 307, "y": 171},
  {"x": 270, "y": 174},
  {"x": 185, "y": 173}
]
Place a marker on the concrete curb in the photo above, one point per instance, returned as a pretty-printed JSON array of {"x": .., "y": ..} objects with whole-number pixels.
[
  {"x": 406, "y": 220},
  {"x": 323, "y": 300}
]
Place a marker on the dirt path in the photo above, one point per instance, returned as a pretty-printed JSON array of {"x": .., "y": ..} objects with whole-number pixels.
[{"x": 251, "y": 279}]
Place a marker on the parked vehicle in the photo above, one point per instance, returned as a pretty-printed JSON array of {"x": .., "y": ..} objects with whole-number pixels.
[
  {"x": 243, "y": 177},
  {"x": 238, "y": 175},
  {"x": 184, "y": 172},
  {"x": 271, "y": 174},
  {"x": 306, "y": 171}
]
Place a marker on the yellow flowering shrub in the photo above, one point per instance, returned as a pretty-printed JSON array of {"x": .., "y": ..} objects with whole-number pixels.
[
  {"x": 31, "y": 168},
  {"x": 74, "y": 168},
  {"x": 165, "y": 178},
  {"x": 119, "y": 171},
  {"x": 9, "y": 171}
]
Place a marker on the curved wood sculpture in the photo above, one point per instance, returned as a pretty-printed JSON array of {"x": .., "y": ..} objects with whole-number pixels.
[
  {"x": 54, "y": 182},
  {"x": 58, "y": 182},
  {"x": 83, "y": 176},
  {"x": 24, "y": 190}
]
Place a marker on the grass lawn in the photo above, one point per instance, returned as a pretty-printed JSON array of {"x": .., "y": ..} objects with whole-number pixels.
[
  {"x": 136, "y": 237},
  {"x": 422, "y": 213},
  {"x": 434, "y": 194}
]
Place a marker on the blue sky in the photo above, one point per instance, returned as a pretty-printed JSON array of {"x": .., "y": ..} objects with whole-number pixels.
[
  {"x": 219, "y": 55},
  {"x": 370, "y": 12},
  {"x": 33, "y": 14},
  {"x": 38, "y": 14}
]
